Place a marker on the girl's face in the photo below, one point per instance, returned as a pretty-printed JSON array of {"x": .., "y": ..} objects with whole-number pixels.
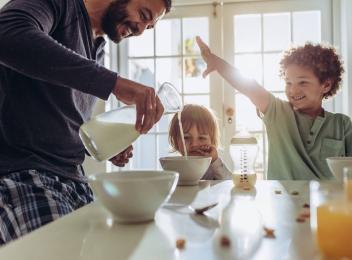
[
  {"x": 304, "y": 91},
  {"x": 194, "y": 138}
]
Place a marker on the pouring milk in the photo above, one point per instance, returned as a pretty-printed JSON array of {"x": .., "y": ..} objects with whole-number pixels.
[
  {"x": 109, "y": 133},
  {"x": 105, "y": 137}
]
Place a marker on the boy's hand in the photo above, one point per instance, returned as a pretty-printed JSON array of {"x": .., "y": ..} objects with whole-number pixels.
[
  {"x": 204, "y": 150},
  {"x": 208, "y": 57},
  {"x": 122, "y": 158}
]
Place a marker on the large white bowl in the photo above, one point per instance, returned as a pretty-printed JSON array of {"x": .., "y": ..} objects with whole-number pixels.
[
  {"x": 133, "y": 196},
  {"x": 191, "y": 169},
  {"x": 336, "y": 165}
]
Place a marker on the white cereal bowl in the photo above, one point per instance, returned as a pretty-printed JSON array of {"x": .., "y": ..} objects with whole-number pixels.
[
  {"x": 133, "y": 196},
  {"x": 336, "y": 165},
  {"x": 190, "y": 168}
]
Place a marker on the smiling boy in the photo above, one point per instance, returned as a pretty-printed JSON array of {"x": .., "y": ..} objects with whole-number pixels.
[{"x": 301, "y": 133}]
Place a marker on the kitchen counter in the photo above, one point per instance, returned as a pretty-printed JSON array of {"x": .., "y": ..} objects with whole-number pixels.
[{"x": 90, "y": 232}]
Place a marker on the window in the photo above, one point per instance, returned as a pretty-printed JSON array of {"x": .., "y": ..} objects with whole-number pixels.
[
  {"x": 167, "y": 53},
  {"x": 259, "y": 34},
  {"x": 250, "y": 35},
  {"x": 259, "y": 40}
]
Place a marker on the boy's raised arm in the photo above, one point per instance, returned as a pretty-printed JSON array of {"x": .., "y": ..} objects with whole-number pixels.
[{"x": 255, "y": 92}]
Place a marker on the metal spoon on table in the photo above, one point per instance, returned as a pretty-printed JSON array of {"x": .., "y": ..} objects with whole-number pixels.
[
  {"x": 181, "y": 208},
  {"x": 200, "y": 211}
]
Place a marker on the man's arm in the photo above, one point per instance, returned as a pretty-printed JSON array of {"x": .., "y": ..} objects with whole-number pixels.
[{"x": 27, "y": 47}]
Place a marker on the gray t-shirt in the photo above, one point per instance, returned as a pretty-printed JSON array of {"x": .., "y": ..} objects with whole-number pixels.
[
  {"x": 50, "y": 76},
  {"x": 299, "y": 145}
]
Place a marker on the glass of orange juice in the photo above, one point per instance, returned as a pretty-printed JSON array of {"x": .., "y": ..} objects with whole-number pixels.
[
  {"x": 331, "y": 219},
  {"x": 347, "y": 182}
]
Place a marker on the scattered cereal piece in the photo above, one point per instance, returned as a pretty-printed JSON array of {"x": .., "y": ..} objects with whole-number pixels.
[
  {"x": 278, "y": 192},
  {"x": 269, "y": 232},
  {"x": 225, "y": 241},
  {"x": 294, "y": 193},
  {"x": 300, "y": 219},
  {"x": 180, "y": 243},
  {"x": 306, "y": 205},
  {"x": 305, "y": 214}
]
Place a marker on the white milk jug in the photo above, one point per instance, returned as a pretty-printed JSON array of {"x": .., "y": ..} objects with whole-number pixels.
[{"x": 109, "y": 133}]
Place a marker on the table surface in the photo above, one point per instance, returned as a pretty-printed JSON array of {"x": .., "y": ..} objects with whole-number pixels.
[{"x": 90, "y": 232}]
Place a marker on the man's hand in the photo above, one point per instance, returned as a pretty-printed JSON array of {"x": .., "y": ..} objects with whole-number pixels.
[
  {"x": 148, "y": 105},
  {"x": 204, "y": 150},
  {"x": 122, "y": 158}
]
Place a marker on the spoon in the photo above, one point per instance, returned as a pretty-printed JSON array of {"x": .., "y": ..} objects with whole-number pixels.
[
  {"x": 205, "y": 221},
  {"x": 181, "y": 208},
  {"x": 200, "y": 211}
]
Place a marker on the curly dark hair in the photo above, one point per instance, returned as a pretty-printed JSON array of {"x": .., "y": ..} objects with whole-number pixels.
[
  {"x": 168, "y": 5},
  {"x": 321, "y": 59}
]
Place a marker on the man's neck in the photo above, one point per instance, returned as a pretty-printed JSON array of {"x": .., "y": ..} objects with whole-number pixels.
[{"x": 96, "y": 9}]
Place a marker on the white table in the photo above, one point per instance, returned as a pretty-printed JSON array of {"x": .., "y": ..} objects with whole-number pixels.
[{"x": 89, "y": 233}]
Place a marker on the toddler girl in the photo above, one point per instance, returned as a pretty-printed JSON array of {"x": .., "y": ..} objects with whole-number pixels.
[{"x": 201, "y": 136}]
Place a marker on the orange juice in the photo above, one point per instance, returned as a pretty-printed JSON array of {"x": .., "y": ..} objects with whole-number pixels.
[
  {"x": 334, "y": 228},
  {"x": 348, "y": 189}
]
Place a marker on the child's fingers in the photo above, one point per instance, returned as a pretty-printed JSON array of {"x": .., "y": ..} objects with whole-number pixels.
[
  {"x": 195, "y": 151},
  {"x": 201, "y": 148},
  {"x": 200, "y": 42},
  {"x": 202, "y": 46},
  {"x": 206, "y": 72},
  {"x": 202, "y": 153},
  {"x": 205, "y": 148},
  {"x": 204, "y": 49},
  {"x": 195, "y": 148}
]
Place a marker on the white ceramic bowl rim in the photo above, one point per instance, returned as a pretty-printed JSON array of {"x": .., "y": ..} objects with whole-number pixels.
[
  {"x": 339, "y": 158},
  {"x": 195, "y": 157},
  {"x": 132, "y": 176}
]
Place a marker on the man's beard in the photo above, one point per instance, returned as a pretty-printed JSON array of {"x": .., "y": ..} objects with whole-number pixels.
[{"x": 114, "y": 15}]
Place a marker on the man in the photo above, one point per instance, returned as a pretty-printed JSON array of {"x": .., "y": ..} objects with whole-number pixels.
[{"x": 51, "y": 53}]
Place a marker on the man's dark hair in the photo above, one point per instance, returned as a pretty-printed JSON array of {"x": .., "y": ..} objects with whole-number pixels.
[{"x": 167, "y": 5}]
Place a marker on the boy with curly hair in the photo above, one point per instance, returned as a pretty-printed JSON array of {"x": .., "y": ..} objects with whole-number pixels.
[{"x": 301, "y": 133}]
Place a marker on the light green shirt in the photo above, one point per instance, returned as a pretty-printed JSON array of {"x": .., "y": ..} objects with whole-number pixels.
[{"x": 299, "y": 145}]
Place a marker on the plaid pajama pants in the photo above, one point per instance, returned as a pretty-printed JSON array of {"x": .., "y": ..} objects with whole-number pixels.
[{"x": 30, "y": 199}]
